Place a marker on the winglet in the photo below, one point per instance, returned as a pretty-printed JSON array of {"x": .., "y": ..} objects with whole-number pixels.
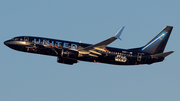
[{"x": 118, "y": 34}]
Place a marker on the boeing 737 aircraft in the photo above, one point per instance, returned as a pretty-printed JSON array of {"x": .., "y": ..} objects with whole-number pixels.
[{"x": 68, "y": 52}]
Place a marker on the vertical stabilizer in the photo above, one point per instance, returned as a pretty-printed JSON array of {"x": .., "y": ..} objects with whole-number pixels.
[{"x": 158, "y": 43}]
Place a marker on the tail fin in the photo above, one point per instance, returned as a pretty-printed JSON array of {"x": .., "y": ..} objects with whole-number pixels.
[{"x": 158, "y": 43}]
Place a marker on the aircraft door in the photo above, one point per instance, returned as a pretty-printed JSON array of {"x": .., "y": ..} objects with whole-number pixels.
[
  {"x": 139, "y": 56},
  {"x": 26, "y": 39}
]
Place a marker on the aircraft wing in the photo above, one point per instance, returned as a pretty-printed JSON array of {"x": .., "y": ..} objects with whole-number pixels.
[{"x": 101, "y": 46}]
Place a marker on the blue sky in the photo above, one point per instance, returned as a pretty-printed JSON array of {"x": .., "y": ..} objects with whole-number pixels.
[{"x": 30, "y": 77}]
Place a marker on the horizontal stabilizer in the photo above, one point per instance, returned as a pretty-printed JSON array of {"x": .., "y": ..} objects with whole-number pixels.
[{"x": 162, "y": 55}]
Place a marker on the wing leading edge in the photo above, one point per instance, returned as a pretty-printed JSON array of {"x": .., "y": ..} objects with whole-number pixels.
[{"x": 101, "y": 45}]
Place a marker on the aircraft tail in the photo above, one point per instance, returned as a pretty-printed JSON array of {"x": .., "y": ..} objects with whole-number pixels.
[{"x": 158, "y": 43}]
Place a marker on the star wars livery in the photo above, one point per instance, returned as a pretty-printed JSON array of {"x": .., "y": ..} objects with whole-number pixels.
[{"x": 69, "y": 52}]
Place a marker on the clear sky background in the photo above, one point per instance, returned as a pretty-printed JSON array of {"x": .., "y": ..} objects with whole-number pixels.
[{"x": 30, "y": 77}]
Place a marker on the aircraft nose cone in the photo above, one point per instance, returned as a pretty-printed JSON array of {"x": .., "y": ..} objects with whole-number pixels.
[{"x": 6, "y": 43}]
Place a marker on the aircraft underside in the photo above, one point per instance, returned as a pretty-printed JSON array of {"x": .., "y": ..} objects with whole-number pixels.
[{"x": 70, "y": 58}]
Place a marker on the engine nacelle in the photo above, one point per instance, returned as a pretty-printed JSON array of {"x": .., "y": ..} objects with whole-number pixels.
[
  {"x": 66, "y": 61},
  {"x": 68, "y": 57},
  {"x": 69, "y": 54}
]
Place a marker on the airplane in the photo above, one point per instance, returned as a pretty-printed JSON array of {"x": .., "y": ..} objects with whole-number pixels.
[{"x": 68, "y": 52}]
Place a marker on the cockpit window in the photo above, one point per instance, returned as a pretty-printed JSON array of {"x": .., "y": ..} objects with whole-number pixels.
[
  {"x": 16, "y": 39},
  {"x": 12, "y": 39}
]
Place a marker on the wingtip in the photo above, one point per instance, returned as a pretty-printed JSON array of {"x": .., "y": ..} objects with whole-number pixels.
[{"x": 118, "y": 34}]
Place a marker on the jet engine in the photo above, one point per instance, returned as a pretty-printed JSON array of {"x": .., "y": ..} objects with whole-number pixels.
[
  {"x": 66, "y": 60},
  {"x": 68, "y": 57}
]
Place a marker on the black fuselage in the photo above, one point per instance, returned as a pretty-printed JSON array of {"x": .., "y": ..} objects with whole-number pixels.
[{"x": 67, "y": 51}]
